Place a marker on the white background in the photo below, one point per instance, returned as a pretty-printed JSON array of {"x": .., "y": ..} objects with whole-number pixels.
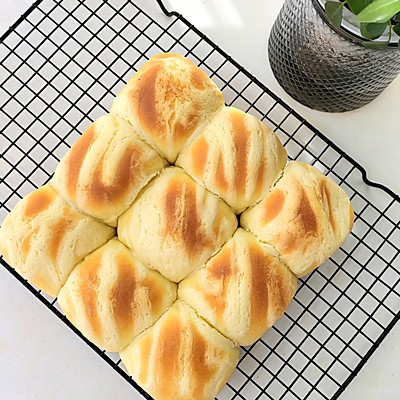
[{"x": 42, "y": 359}]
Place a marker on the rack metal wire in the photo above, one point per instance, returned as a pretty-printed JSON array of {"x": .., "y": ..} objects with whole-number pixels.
[{"x": 61, "y": 65}]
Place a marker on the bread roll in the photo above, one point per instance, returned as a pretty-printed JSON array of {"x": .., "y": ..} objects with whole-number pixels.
[
  {"x": 306, "y": 217},
  {"x": 236, "y": 157},
  {"x": 105, "y": 169},
  {"x": 166, "y": 100},
  {"x": 181, "y": 357},
  {"x": 242, "y": 290},
  {"x": 43, "y": 238},
  {"x": 175, "y": 225},
  {"x": 111, "y": 297}
]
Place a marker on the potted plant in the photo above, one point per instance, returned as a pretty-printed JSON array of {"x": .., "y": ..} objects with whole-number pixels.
[{"x": 336, "y": 56}]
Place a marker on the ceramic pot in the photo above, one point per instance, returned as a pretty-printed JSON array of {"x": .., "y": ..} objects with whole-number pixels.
[{"x": 323, "y": 67}]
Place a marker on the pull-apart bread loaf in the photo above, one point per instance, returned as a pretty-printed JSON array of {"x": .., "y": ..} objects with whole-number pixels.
[{"x": 181, "y": 286}]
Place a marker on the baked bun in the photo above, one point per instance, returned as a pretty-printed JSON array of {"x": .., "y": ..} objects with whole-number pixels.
[
  {"x": 111, "y": 297},
  {"x": 105, "y": 169},
  {"x": 43, "y": 238},
  {"x": 306, "y": 217},
  {"x": 181, "y": 357},
  {"x": 236, "y": 157},
  {"x": 242, "y": 290},
  {"x": 166, "y": 100},
  {"x": 175, "y": 225}
]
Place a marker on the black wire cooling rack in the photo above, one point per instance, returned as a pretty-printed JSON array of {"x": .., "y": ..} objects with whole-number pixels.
[{"x": 62, "y": 63}]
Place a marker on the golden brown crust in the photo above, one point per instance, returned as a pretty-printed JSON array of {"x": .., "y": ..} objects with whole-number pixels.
[
  {"x": 38, "y": 201},
  {"x": 304, "y": 217},
  {"x": 105, "y": 169},
  {"x": 220, "y": 269},
  {"x": 263, "y": 279},
  {"x": 203, "y": 371},
  {"x": 181, "y": 357},
  {"x": 166, "y": 101},
  {"x": 103, "y": 195},
  {"x": 59, "y": 230},
  {"x": 242, "y": 290},
  {"x": 75, "y": 160},
  {"x": 43, "y": 238},
  {"x": 176, "y": 225},
  {"x": 220, "y": 175},
  {"x": 199, "y": 154},
  {"x": 273, "y": 205},
  {"x": 112, "y": 297},
  {"x": 241, "y": 138},
  {"x": 123, "y": 295},
  {"x": 88, "y": 287},
  {"x": 240, "y": 163},
  {"x": 168, "y": 361},
  {"x": 183, "y": 220}
]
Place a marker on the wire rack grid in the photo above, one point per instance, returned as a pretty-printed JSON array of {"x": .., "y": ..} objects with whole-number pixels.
[{"x": 62, "y": 63}]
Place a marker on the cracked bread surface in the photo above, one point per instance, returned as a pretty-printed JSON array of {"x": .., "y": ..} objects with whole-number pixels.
[{"x": 167, "y": 101}]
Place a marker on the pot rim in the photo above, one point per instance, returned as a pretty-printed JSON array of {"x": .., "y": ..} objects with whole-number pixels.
[{"x": 350, "y": 29}]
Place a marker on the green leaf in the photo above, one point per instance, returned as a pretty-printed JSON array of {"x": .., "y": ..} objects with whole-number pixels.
[
  {"x": 379, "y": 11},
  {"x": 356, "y": 6},
  {"x": 334, "y": 11},
  {"x": 375, "y": 45},
  {"x": 397, "y": 17},
  {"x": 396, "y": 29},
  {"x": 399, "y": 45},
  {"x": 372, "y": 31}
]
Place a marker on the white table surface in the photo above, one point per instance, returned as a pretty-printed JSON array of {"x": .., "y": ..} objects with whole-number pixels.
[{"x": 41, "y": 359}]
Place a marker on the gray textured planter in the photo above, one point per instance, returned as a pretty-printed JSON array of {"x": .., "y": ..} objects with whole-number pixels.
[{"x": 323, "y": 67}]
